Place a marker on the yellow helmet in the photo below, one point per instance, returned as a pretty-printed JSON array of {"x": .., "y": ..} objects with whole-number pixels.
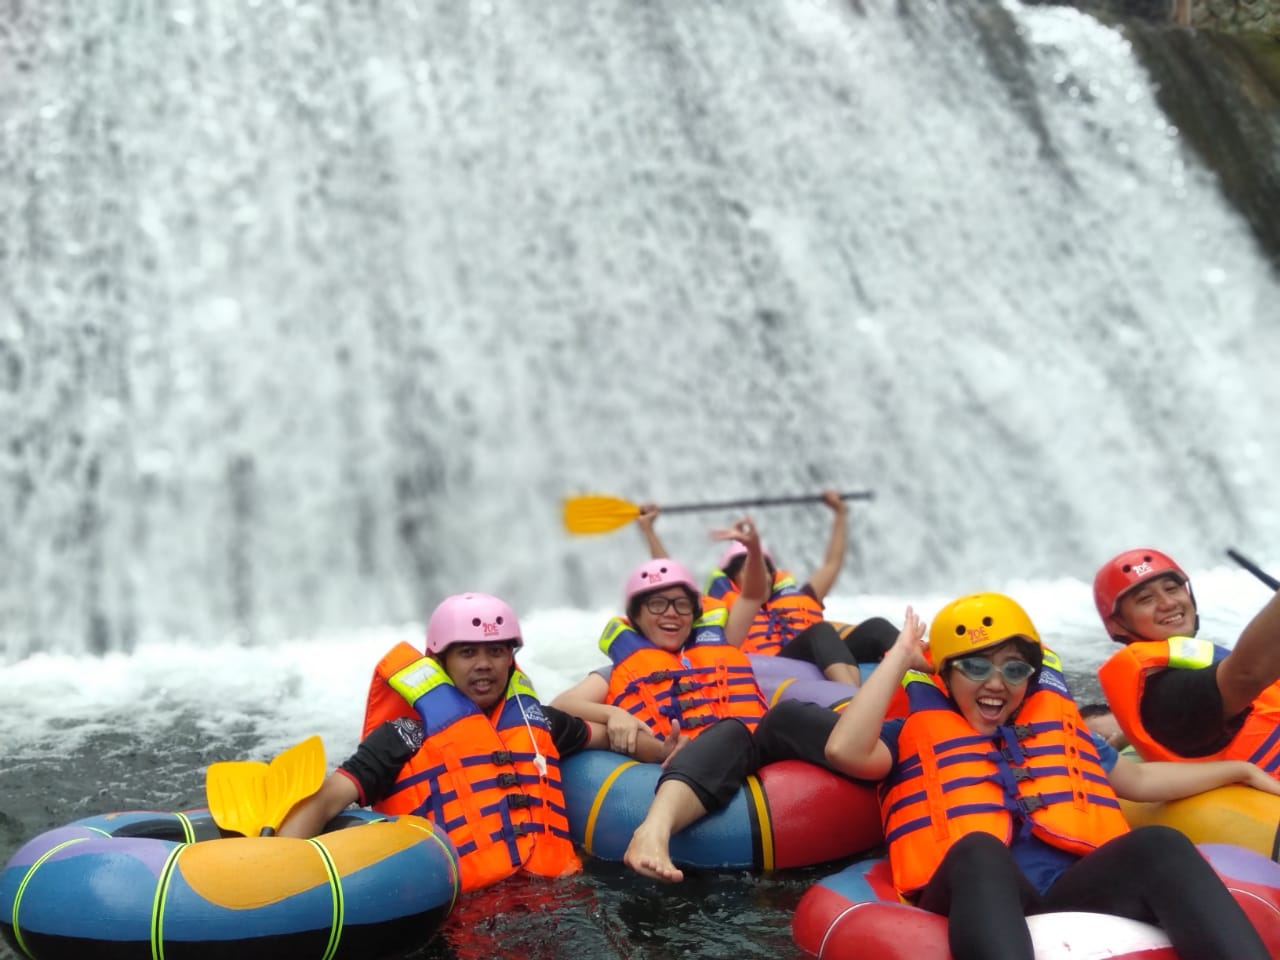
[{"x": 976, "y": 621}]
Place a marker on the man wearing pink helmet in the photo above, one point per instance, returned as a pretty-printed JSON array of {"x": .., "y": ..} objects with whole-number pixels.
[
  {"x": 678, "y": 677},
  {"x": 463, "y": 721},
  {"x": 791, "y": 622},
  {"x": 1176, "y": 697}
]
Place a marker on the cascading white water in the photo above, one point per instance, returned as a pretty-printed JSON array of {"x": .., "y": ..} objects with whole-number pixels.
[{"x": 313, "y": 312}]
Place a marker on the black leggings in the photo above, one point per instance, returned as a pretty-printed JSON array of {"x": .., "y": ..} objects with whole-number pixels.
[
  {"x": 1153, "y": 874},
  {"x": 717, "y": 762},
  {"x": 824, "y": 643}
]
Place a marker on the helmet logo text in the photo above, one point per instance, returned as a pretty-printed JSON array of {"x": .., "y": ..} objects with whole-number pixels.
[
  {"x": 978, "y": 636},
  {"x": 490, "y": 628},
  {"x": 1142, "y": 569}
]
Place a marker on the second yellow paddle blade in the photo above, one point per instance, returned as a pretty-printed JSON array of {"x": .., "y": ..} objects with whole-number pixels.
[{"x": 294, "y": 775}]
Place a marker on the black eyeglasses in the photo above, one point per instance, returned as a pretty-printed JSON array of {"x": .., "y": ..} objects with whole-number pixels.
[
  {"x": 978, "y": 669},
  {"x": 658, "y": 605}
]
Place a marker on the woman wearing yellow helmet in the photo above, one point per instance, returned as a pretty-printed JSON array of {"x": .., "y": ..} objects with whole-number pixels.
[{"x": 998, "y": 802}]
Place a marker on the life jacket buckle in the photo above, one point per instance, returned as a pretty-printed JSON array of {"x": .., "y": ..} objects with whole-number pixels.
[
  {"x": 507, "y": 780},
  {"x": 500, "y": 758},
  {"x": 1013, "y": 754},
  {"x": 519, "y": 801},
  {"x": 1031, "y": 804}
]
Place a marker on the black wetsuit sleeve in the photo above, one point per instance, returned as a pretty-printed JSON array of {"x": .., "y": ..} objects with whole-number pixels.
[
  {"x": 1182, "y": 709},
  {"x": 568, "y": 733},
  {"x": 377, "y": 761}
]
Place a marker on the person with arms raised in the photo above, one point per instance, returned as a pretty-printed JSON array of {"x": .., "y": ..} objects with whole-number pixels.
[
  {"x": 790, "y": 622},
  {"x": 999, "y": 803},
  {"x": 678, "y": 674},
  {"x": 1177, "y": 697}
]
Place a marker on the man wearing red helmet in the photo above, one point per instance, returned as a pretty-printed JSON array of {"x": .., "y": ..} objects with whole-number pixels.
[{"x": 1176, "y": 697}]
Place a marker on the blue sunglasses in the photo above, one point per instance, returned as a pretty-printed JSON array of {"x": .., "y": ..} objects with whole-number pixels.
[{"x": 978, "y": 669}]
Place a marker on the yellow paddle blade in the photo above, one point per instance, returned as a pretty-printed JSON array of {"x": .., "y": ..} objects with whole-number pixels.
[
  {"x": 252, "y": 798},
  {"x": 597, "y": 514}
]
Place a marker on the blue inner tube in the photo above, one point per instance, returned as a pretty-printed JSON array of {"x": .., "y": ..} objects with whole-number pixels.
[{"x": 153, "y": 885}]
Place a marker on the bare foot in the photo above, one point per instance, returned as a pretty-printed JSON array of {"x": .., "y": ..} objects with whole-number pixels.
[{"x": 648, "y": 855}]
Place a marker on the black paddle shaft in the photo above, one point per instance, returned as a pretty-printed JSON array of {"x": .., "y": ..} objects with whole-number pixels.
[
  {"x": 764, "y": 502},
  {"x": 1253, "y": 568}
]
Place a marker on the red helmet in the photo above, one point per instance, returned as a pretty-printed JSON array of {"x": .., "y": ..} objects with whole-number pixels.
[{"x": 1125, "y": 571}]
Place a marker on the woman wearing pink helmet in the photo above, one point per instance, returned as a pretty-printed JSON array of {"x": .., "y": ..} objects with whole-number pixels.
[
  {"x": 1175, "y": 697},
  {"x": 791, "y": 622},
  {"x": 678, "y": 679},
  {"x": 467, "y": 700}
]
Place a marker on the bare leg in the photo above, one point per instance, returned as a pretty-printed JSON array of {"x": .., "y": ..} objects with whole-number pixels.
[
  {"x": 843, "y": 673},
  {"x": 674, "y": 807}
]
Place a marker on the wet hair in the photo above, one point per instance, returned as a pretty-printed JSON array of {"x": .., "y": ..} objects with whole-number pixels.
[
  {"x": 633, "y": 608},
  {"x": 1095, "y": 709},
  {"x": 734, "y": 567}
]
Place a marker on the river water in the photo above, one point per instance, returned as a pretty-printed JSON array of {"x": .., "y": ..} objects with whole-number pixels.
[{"x": 313, "y": 312}]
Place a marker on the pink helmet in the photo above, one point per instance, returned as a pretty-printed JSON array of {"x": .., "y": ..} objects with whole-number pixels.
[
  {"x": 737, "y": 549},
  {"x": 656, "y": 574},
  {"x": 472, "y": 618},
  {"x": 1125, "y": 571}
]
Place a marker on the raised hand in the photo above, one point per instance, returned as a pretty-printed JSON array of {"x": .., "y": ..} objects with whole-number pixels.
[
  {"x": 743, "y": 530},
  {"x": 911, "y": 639},
  {"x": 831, "y": 498}
]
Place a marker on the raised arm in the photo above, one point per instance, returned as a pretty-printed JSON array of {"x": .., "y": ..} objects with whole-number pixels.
[
  {"x": 755, "y": 579},
  {"x": 1157, "y": 780},
  {"x": 1254, "y": 662},
  {"x": 648, "y": 514},
  {"x": 854, "y": 746},
  {"x": 824, "y": 577}
]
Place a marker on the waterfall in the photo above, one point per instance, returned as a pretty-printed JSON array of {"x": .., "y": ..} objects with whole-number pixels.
[{"x": 313, "y": 312}]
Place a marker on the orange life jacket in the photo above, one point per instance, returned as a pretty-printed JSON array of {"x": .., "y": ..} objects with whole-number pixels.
[
  {"x": 780, "y": 619},
  {"x": 1124, "y": 676},
  {"x": 492, "y": 782},
  {"x": 1039, "y": 775},
  {"x": 707, "y": 680}
]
